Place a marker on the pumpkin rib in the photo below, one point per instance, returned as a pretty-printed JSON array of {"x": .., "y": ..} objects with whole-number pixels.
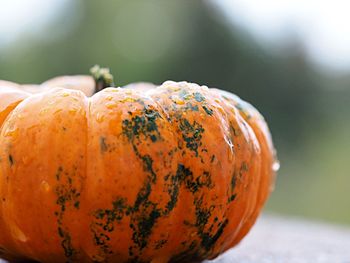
[
  {"x": 239, "y": 129},
  {"x": 83, "y": 83},
  {"x": 175, "y": 114},
  {"x": 264, "y": 184},
  {"x": 175, "y": 202},
  {"x": 255, "y": 168},
  {"x": 46, "y": 187},
  {"x": 193, "y": 102},
  {"x": 252, "y": 116},
  {"x": 10, "y": 101}
]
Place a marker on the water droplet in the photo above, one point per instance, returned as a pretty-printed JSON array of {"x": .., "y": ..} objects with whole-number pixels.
[
  {"x": 51, "y": 102},
  {"x": 45, "y": 186},
  {"x": 99, "y": 117},
  {"x": 43, "y": 111},
  {"x": 57, "y": 111},
  {"x": 25, "y": 160},
  {"x": 276, "y": 166},
  {"x": 230, "y": 156},
  {"x": 73, "y": 110},
  {"x": 17, "y": 233},
  {"x": 12, "y": 133},
  {"x": 221, "y": 110},
  {"x": 111, "y": 105},
  {"x": 178, "y": 101},
  {"x": 129, "y": 99}
]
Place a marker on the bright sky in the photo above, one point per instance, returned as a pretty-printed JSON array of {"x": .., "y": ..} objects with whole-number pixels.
[
  {"x": 26, "y": 17},
  {"x": 322, "y": 25}
]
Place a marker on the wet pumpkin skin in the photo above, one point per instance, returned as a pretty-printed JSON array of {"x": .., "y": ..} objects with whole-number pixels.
[{"x": 176, "y": 173}]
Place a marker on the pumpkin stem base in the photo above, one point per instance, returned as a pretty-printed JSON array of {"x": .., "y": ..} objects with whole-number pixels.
[{"x": 103, "y": 78}]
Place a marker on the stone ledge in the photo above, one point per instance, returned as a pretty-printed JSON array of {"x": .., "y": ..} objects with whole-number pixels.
[{"x": 277, "y": 239}]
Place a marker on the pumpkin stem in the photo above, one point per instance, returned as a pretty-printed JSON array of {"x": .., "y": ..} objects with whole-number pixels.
[{"x": 102, "y": 76}]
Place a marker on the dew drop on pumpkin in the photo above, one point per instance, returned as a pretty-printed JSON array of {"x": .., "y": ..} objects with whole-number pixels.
[
  {"x": 73, "y": 111},
  {"x": 111, "y": 105},
  {"x": 178, "y": 101},
  {"x": 221, "y": 110},
  {"x": 17, "y": 233},
  {"x": 57, "y": 111},
  {"x": 129, "y": 99},
  {"x": 215, "y": 161},
  {"x": 25, "y": 160},
  {"x": 217, "y": 100},
  {"x": 276, "y": 166},
  {"x": 230, "y": 156},
  {"x": 43, "y": 111},
  {"x": 99, "y": 117},
  {"x": 45, "y": 186},
  {"x": 12, "y": 133},
  {"x": 51, "y": 102}
]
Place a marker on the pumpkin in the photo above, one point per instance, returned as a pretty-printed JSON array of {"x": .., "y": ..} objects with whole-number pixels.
[{"x": 171, "y": 173}]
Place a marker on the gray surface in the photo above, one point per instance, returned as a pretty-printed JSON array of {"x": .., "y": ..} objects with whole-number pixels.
[{"x": 281, "y": 240}]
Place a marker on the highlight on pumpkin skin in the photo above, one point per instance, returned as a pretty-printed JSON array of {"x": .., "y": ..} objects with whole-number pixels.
[
  {"x": 84, "y": 83},
  {"x": 170, "y": 173}
]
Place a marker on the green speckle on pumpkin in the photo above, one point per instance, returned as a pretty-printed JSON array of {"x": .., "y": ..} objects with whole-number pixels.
[
  {"x": 11, "y": 160},
  {"x": 198, "y": 97},
  {"x": 207, "y": 110}
]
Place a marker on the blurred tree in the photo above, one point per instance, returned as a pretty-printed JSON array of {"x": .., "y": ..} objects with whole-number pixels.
[{"x": 157, "y": 40}]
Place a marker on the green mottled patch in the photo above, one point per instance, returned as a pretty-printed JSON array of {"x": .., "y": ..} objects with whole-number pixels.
[
  {"x": 58, "y": 173},
  {"x": 207, "y": 110},
  {"x": 244, "y": 167},
  {"x": 160, "y": 243},
  {"x": 193, "y": 184},
  {"x": 67, "y": 195},
  {"x": 181, "y": 175},
  {"x": 243, "y": 110},
  {"x": 190, "y": 106},
  {"x": 191, "y": 254},
  {"x": 191, "y": 134},
  {"x": 11, "y": 160},
  {"x": 183, "y": 94},
  {"x": 208, "y": 239},
  {"x": 142, "y": 125},
  {"x": 198, "y": 97},
  {"x": 103, "y": 144},
  {"x": 231, "y": 198}
]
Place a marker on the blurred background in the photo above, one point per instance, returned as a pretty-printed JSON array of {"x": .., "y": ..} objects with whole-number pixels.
[{"x": 290, "y": 58}]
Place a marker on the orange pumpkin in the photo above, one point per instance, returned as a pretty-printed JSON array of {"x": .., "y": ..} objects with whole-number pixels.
[{"x": 169, "y": 173}]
